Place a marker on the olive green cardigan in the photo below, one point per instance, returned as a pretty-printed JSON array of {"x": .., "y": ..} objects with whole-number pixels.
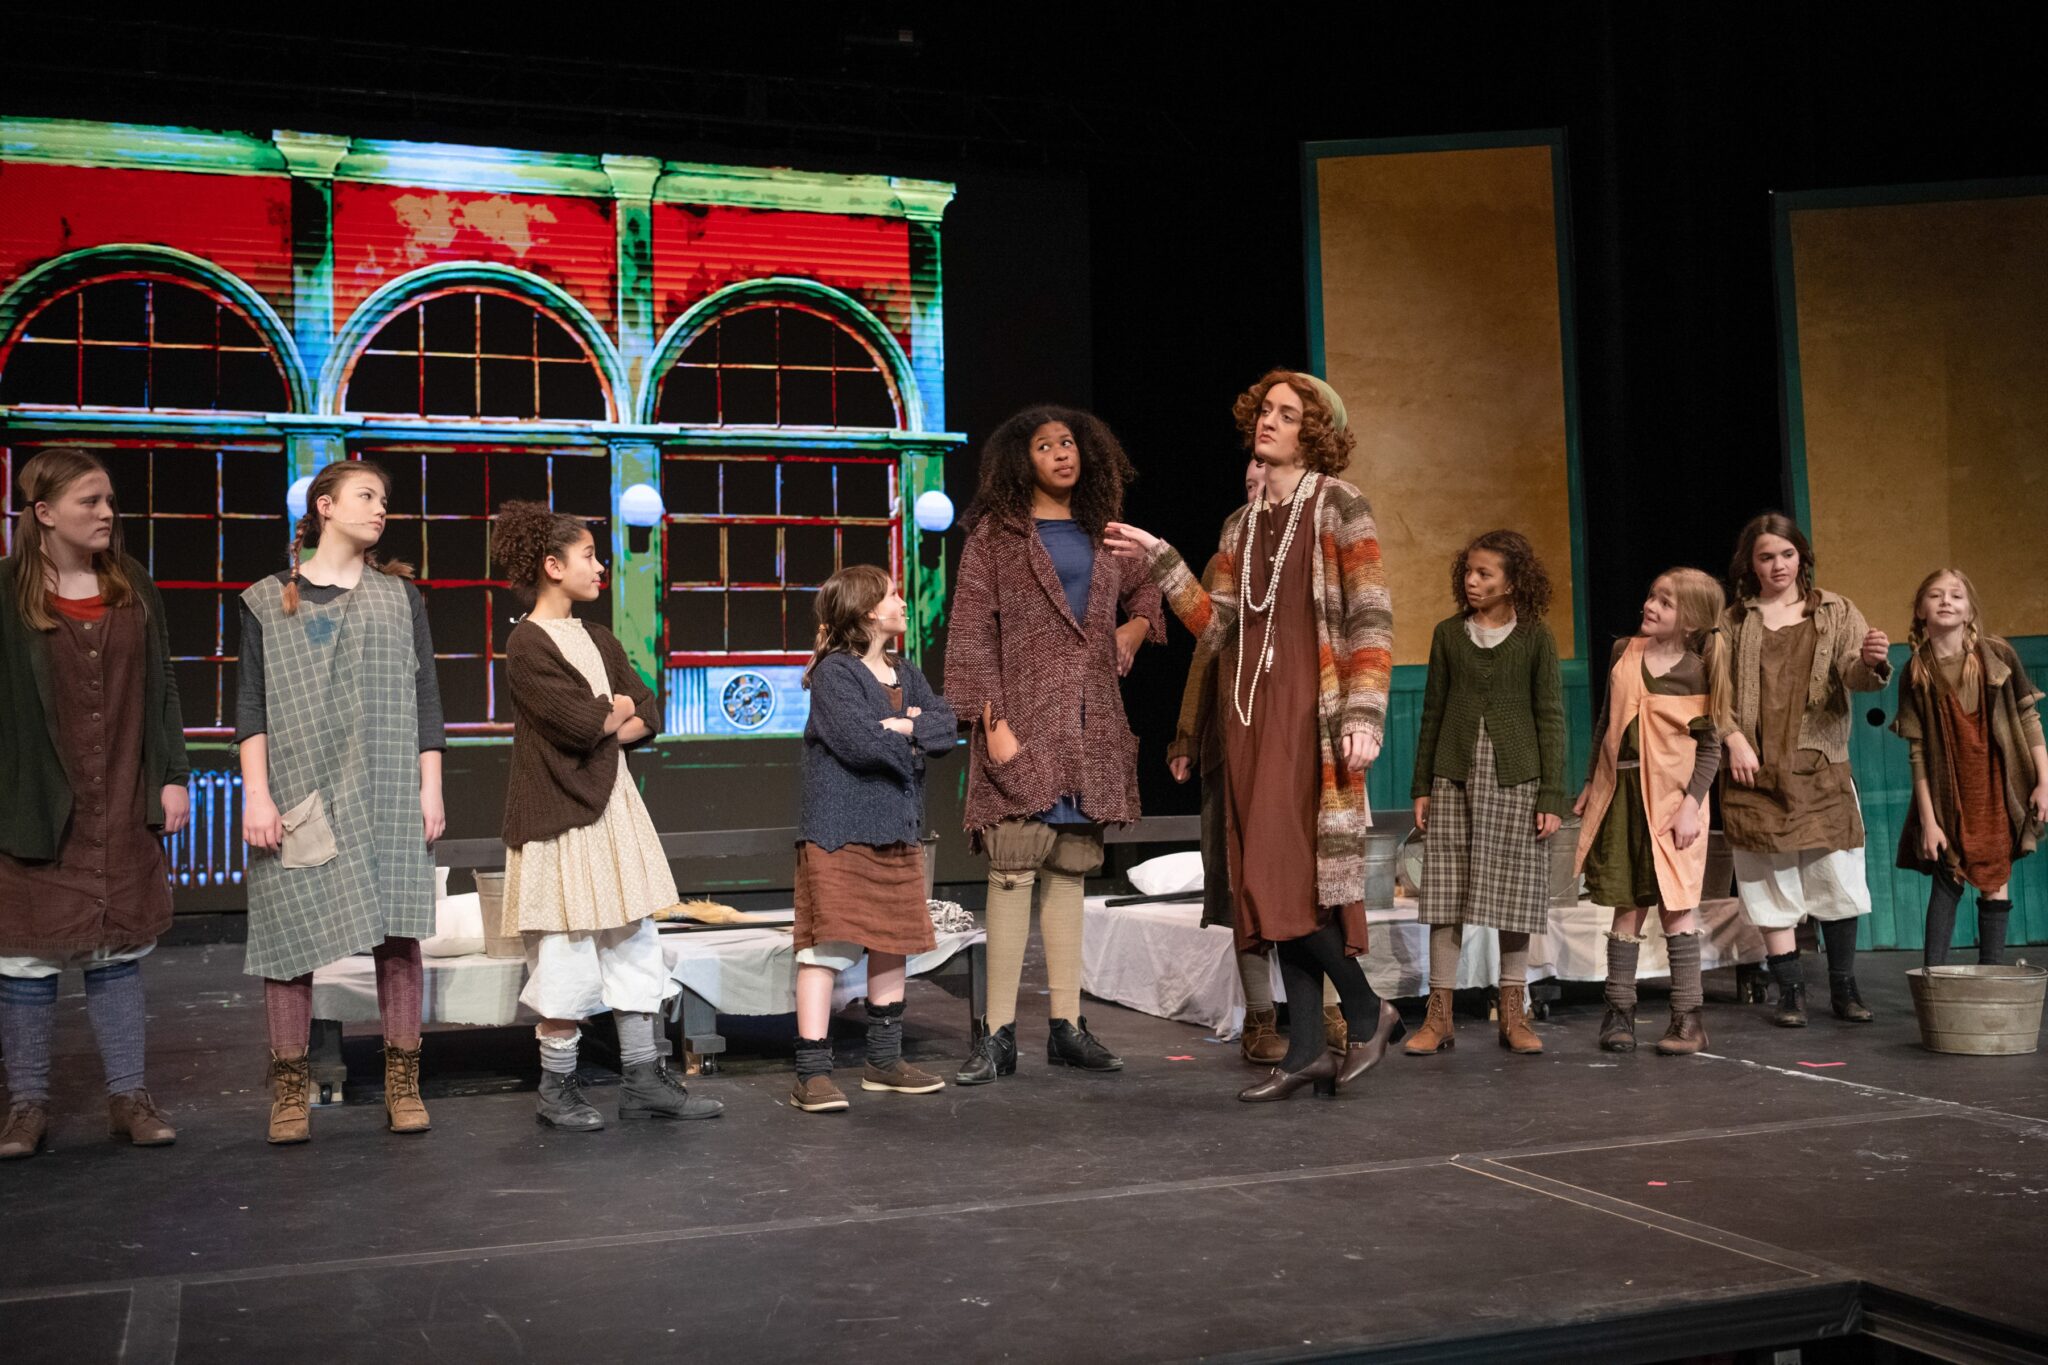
[
  {"x": 38, "y": 795},
  {"x": 1516, "y": 688}
]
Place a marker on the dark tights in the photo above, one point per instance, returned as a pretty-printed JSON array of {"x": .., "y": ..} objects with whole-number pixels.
[{"x": 1304, "y": 962}]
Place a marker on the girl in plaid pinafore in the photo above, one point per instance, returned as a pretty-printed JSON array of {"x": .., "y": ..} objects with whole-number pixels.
[
  {"x": 339, "y": 721},
  {"x": 1489, "y": 778}
]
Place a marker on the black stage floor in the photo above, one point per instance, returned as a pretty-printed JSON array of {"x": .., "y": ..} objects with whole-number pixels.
[{"x": 1574, "y": 1206}]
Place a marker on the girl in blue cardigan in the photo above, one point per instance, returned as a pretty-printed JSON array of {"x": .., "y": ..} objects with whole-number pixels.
[{"x": 860, "y": 886}]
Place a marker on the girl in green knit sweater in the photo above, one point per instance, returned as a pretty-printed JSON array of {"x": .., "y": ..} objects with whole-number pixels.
[{"x": 1489, "y": 778}]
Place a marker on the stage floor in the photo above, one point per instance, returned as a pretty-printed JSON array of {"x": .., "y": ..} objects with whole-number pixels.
[{"x": 1574, "y": 1205}]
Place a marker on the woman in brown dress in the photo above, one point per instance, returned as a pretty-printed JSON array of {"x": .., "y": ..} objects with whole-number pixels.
[
  {"x": 1297, "y": 609},
  {"x": 93, "y": 763}
]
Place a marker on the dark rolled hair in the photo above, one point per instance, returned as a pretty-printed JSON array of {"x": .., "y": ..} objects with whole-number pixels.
[
  {"x": 1742, "y": 573},
  {"x": 1007, "y": 478},
  {"x": 1525, "y": 572},
  {"x": 525, "y": 536}
]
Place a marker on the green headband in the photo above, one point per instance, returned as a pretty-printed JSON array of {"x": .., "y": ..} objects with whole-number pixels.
[{"x": 1330, "y": 399}]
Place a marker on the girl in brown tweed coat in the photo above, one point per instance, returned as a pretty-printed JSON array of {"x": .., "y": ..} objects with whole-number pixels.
[{"x": 1032, "y": 663}]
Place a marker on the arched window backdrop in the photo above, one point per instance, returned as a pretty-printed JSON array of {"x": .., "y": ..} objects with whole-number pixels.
[
  {"x": 491, "y": 358},
  {"x": 752, "y": 534},
  {"x": 142, "y": 341}
]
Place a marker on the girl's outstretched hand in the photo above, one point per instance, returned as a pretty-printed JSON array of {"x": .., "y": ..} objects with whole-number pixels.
[
  {"x": 1126, "y": 540},
  {"x": 1876, "y": 648}
]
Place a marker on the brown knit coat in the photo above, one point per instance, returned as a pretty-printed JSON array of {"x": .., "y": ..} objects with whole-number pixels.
[
  {"x": 563, "y": 763},
  {"x": 1013, "y": 643}
]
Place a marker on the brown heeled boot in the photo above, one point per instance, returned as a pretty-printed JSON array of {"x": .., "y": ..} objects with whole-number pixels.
[
  {"x": 291, "y": 1097},
  {"x": 1362, "y": 1057},
  {"x": 403, "y": 1106},
  {"x": 134, "y": 1116},
  {"x": 1336, "y": 1033},
  {"x": 1279, "y": 1085},
  {"x": 1261, "y": 1043},
  {"x": 1438, "y": 1033},
  {"x": 1515, "y": 1033}
]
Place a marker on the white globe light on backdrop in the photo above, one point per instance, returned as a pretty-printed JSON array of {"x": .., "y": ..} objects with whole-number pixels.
[
  {"x": 934, "y": 511},
  {"x": 640, "y": 506},
  {"x": 295, "y": 497}
]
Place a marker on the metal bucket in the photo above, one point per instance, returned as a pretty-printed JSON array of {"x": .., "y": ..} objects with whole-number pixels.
[
  {"x": 1983, "y": 1011},
  {"x": 490, "y": 899},
  {"x": 1382, "y": 849},
  {"x": 1566, "y": 885}
]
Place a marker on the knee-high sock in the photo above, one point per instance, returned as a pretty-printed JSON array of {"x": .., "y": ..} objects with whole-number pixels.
[
  {"x": 1514, "y": 958},
  {"x": 401, "y": 980},
  {"x": 1684, "y": 952},
  {"x": 636, "y": 1037},
  {"x": 288, "y": 1010},
  {"x": 885, "y": 1035},
  {"x": 1301, "y": 976},
  {"x": 1257, "y": 976},
  {"x": 1941, "y": 920},
  {"x": 1623, "y": 954},
  {"x": 1008, "y": 922},
  {"x": 1840, "y": 935},
  {"x": 113, "y": 1001},
  {"x": 1059, "y": 925},
  {"x": 28, "y": 1011},
  {"x": 1446, "y": 941},
  {"x": 1345, "y": 976},
  {"x": 1992, "y": 919}
]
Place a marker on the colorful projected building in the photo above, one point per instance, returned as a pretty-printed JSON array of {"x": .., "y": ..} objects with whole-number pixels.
[{"x": 751, "y": 359}]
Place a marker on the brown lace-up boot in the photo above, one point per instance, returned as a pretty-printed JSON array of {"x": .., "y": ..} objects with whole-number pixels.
[
  {"x": 402, "y": 1103},
  {"x": 1261, "y": 1042},
  {"x": 1336, "y": 1033},
  {"x": 1515, "y": 1033},
  {"x": 134, "y": 1116},
  {"x": 291, "y": 1097},
  {"x": 1437, "y": 1033}
]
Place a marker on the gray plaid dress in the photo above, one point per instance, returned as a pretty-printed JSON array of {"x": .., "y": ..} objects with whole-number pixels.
[
  {"x": 1483, "y": 864},
  {"x": 342, "y": 704}
]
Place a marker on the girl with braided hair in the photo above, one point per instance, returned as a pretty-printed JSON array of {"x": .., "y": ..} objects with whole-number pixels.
[
  {"x": 1980, "y": 766},
  {"x": 584, "y": 869},
  {"x": 338, "y": 715}
]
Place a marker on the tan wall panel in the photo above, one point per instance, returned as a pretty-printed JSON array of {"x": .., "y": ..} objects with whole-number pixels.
[
  {"x": 1923, "y": 357},
  {"x": 1442, "y": 331}
]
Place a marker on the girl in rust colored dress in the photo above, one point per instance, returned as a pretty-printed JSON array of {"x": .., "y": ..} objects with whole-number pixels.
[
  {"x": 860, "y": 887},
  {"x": 1980, "y": 768},
  {"x": 92, "y": 760}
]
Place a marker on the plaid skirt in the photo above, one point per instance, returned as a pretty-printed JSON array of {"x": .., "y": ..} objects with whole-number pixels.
[{"x": 1482, "y": 863}]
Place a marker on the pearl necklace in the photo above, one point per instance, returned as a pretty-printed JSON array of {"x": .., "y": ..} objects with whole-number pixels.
[{"x": 1244, "y": 703}]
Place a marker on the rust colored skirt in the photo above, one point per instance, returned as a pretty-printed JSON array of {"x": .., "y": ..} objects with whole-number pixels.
[{"x": 858, "y": 893}]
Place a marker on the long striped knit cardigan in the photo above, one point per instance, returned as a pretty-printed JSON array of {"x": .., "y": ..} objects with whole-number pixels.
[{"x": 1355, "y": 649}]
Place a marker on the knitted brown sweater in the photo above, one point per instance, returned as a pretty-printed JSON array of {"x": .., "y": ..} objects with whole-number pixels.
[{"x": 563, "y": 763}]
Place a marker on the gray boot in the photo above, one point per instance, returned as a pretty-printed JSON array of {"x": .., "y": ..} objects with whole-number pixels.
[
  {"x": 652, "y": 1091},
  {"x": 560, "y": 1104}
]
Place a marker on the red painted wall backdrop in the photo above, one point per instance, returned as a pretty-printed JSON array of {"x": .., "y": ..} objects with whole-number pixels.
[
  {"x": 700, "y": 250},
  {"x": 384, "y": 231},
  {"x": 241, "y": 223}
]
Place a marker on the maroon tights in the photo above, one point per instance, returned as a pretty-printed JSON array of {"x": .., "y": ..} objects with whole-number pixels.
[{"x": 289, "y": 1004}]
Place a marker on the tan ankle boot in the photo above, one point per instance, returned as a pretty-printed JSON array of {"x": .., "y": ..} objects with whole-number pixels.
[
  {"x": 291, "y": 1097},
  {"x": 1261, "y": 1043},
  {"x": 1515, "y": 1033},
  {"x": 404, "y": 1108},
  {"x": 22, "y": 1134},
  {"x": 134, "y": 1116},
  {"x": 1336, "y": 1033},
  {"x": 1438, "y": 1033}
]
